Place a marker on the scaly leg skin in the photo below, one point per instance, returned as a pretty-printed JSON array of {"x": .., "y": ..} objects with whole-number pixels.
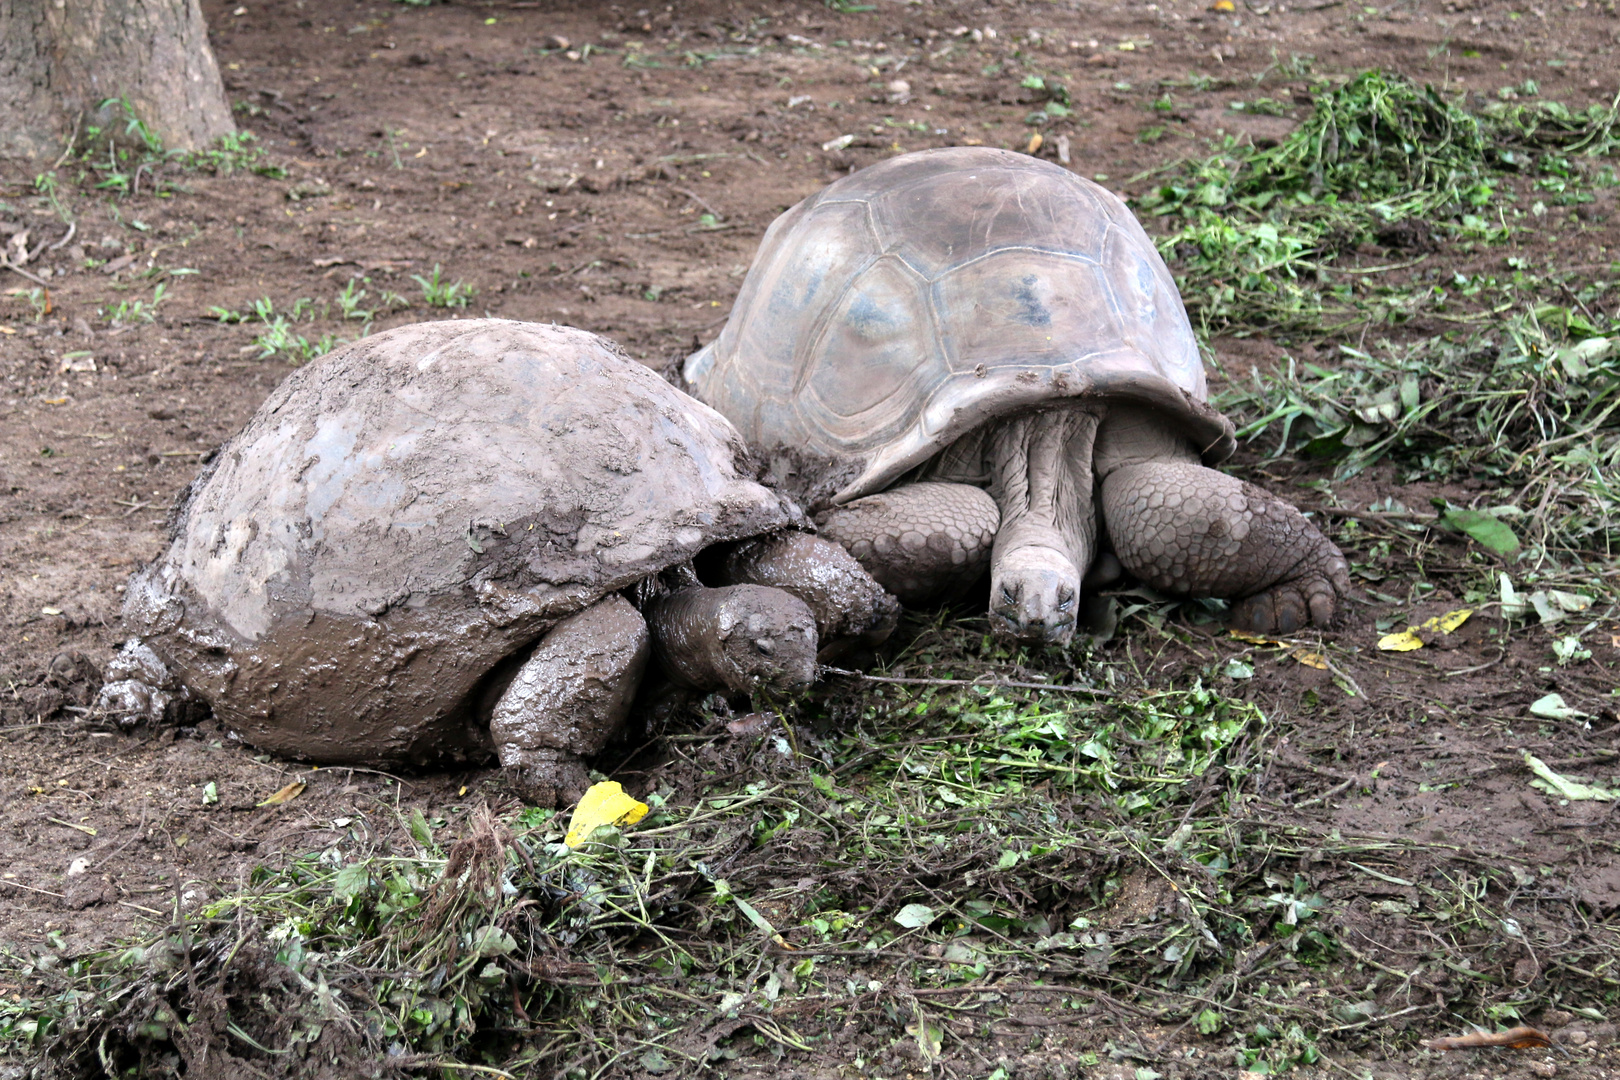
[
  {"x": 1192, "y": 531},
  {"x": 740, "y": 638},
  {"x": 1041, "y": 478},
  {"x": 848, "y": 605},
  {"x": 569, "y": 698},
  {"x": 918, "y": 541}
]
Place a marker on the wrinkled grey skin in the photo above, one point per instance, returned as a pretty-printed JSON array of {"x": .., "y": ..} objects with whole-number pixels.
[
  {"x": 963, "y": 322},
  {"x": 421, "y": 549}
]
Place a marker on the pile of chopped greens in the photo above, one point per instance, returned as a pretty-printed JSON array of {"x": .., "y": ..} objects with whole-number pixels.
[{"x": 1254, "y": 232}]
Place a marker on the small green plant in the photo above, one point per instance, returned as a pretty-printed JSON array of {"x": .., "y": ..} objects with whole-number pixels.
[
  {"x": 349, "y": 299},
  {"x": 439, "y": 293},
  {"x": 236, "y": 151},
  {"x": 126, "y": 312},
  {"x": 35, "y": 298},
  {"x": 47, "y": 185},
  {"x": 277, "y": 339}
]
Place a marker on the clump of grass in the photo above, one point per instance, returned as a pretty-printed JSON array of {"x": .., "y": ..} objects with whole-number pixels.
[
  {"x": 1254, "y": 231},
  {"x": 118, "y": 151},
  {"x": 902, "y": 858},
  {"x": 437, "y": 292},
  {"x": 126, "y": 312},
  {"x": 278, "y": 336}
]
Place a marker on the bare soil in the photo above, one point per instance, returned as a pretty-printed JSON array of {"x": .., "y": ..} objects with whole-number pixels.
[{"x": 614, "y": 168}]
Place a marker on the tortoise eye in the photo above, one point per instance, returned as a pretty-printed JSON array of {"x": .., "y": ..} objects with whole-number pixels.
[
  {"x": 1008, "y": 596},
  {"x": 764, "y": 646}
]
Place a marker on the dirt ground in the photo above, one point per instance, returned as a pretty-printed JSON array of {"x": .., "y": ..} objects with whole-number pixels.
[{"x": 614, "y": 167}]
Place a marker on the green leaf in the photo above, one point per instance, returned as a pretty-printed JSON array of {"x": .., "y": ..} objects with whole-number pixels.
[
  {"x": 1209, "y": 1022},
  {"x": 350, "y": 882},
  {"x": 421, "y": 831},
  {"x": 1563, "y": 786},
  {"x": 492, "y": 941},
  {"x": 1552, "y": 707},
  {"x": 914, "y": 916},
  {"x": 1487, "y": 530},
  {"x": 655, "y": 1062}
]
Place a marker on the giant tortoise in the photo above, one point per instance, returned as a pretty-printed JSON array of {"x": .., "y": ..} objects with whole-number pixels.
[
  {"x": 969, "y": 356},
  {"x": 434, "y": 542}
]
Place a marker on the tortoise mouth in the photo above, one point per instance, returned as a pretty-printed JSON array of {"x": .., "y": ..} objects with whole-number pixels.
[{"x": 1035, "y": 596}]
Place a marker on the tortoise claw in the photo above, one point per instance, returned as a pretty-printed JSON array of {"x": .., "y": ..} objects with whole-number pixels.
[
  {"x": 1312, "y": 600},
  {"x": 548, "y": 779}
]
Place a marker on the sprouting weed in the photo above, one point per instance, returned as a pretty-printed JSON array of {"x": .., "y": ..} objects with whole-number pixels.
[{"x": 439, "y": 293}]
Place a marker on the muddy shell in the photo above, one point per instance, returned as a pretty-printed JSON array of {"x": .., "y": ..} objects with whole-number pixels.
[
  {"x": 355, "y": 576},
  {"x": 861, "y": 345}
]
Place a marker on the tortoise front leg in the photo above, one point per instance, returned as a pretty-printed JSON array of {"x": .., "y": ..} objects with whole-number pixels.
[
  {"x": 569, "y": 698},
  {"x": 740, "y": 638},
  {"x": 918, "y": 541},
  {"x": 850, "y": 608},
  {"x": 1192, "y": 531}
]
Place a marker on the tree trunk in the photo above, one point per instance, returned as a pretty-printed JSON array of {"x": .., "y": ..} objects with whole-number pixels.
[{"x": 60, "y": 59}]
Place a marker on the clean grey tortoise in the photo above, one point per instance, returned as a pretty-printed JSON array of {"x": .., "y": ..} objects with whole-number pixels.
[
  {"x": 969, "y": 357},
  {"x": 458, "y": 538}
]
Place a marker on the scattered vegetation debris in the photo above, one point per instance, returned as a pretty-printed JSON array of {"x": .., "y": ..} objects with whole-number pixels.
[
  {"x": 1415, "y": 637},
  {"x": 285, "y": 794},
  {"x": 1519, "y": 1038},
  {"x": 1256, "y": 232}
]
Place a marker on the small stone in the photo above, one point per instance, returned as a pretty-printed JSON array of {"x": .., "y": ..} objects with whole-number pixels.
[{"x": 1543, "y": 1068}]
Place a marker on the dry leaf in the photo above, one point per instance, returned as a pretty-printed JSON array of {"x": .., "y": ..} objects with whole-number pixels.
[
  {"x": 1254, "y": 639},
  {"x": 286, "y": 794},
  {"x": 1415, "y": 637},
  {"x": 1519, "y": 1038},
  {"x": 1035, "y": 142},
  {"x": 1310, "y": 659},
  {"x": 1223, "y": 5},
  {"x": 604, "y": 804}
]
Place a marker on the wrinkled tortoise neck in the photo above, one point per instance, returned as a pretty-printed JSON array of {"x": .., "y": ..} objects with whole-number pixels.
[{"x": 1041, "y": 478}]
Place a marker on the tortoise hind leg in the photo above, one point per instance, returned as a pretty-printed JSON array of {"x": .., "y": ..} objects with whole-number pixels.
[
  {"x": 1193, "y": 531},
  {"x": 569, "y": 698},
  {"x": 921, "y": 540}
]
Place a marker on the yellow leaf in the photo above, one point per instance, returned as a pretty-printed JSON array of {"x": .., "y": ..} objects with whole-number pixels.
[
  {"x": 1449, "y": 621},
  {"x": 1310, "y": 659},
  {"x": 1035, "y": 142},
  {"x": 1223, "y": 5},
  {"x": 286, "y": 794},
  {"x": 1253, "y": 639},
  {"x": 1414, "y": 637},
  {"x": 604, "y": 804}
]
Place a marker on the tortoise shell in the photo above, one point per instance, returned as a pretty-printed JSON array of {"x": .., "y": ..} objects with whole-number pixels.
[
  {"x": 412, "y": 511},
  {"x": 911, "y": 302}
]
